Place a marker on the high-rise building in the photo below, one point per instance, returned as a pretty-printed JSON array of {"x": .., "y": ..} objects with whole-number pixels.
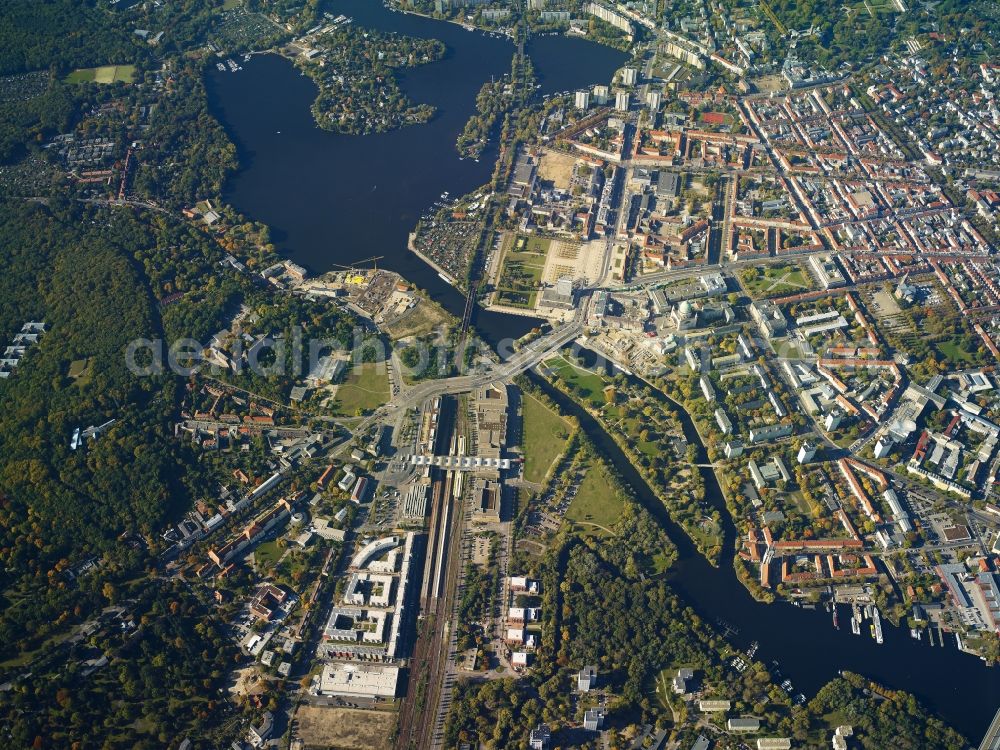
[
  {"x": 833, "y": 419},
  {"x": 622, "y": 100},
  {"x": 806, "y": 453},
  {"x": 883, "y": 446},
  {"x": 601, "y": 94},
  {"x": 653, "y": 101},
  {"x": 629, "y": 76},
  {"x": 582, "y": 99}
]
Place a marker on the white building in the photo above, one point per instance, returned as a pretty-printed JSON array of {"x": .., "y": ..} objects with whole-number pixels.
[
  {"x": 359, "y": 680},
  {"x": 806, "y": 453},
  {"x": 883, "y": 447}
]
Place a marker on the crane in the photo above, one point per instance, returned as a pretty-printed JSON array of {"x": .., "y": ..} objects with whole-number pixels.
[{"x": 374, "y": 259}]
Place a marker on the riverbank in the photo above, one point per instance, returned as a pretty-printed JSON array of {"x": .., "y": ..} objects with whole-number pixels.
[
  {"x": 650, "y": 444},
  {"x": 810, "y": 651}
]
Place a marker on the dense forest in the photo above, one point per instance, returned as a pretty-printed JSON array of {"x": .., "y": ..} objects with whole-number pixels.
[
  {"x": 186, "y": 154},
  {"x": 39, "y": 34},
  {"x": 78, "y": 270},
  {"x": 881, "y": 718},
  {"x": 27, "y": 122},
  {"x": 146, "y": 682}
]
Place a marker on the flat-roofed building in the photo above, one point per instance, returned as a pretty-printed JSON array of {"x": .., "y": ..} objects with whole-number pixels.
[
  {"x": 827, "y": 271},
  {"x": 359, "y": 680},
  {"x": 774, "y": 743}
]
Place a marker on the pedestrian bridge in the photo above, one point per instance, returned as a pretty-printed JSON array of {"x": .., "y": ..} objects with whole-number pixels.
[{"x": 461, "y": 463}]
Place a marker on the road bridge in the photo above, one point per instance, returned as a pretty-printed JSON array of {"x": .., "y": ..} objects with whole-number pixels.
[{"x": 992, "y": 739}]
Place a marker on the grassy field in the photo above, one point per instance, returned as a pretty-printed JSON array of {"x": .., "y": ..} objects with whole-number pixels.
[
  {"x": 590, "y": 384},
  {"x": 952, "y": 350},
  {"x": 532, "y": 245},
  {"x": 366, "y": 387},
  {"x": 81, "y": 371},
  {"x": 661, "y": 563},
  {"x": 706, "y": 534},
  {"x": 103, "y": 74},
  {"x": 633, "y": 427},
  {"x": 267, "y": 554},
  {"x": 596, "y": 507},
  {"x": 425, "y": 318},
  {"x": 772, "y": 281},
  {"x": 545, "y": 436},
  {"x": 328, "y": 727}
]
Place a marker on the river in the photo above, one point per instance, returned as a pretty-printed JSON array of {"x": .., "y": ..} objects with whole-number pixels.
[
  {"x": 332, "y": 199},
  {"x": 810, "y": 652}
]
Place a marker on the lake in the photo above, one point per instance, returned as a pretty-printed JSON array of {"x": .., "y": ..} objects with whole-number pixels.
[{"x": 332, "y": 200}]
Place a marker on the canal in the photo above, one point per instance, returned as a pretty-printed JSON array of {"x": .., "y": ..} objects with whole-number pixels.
[
  {"x": 332, "y": 200},
  {"x": 809, "y": 651}
]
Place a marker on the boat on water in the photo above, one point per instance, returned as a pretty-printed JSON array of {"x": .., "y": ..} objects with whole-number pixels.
[
  {"x": 855, "y": 625},
  {"x": 876, "y": 626},
  {"x": 836, "y": 622}
]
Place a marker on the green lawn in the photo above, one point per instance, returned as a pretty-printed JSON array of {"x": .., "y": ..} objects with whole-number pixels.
[
  {"x": 590, "y": 384},
  {"x": 706, "y": 534},
  {"x": 521, "y": 270},
  {"x": 103, "y": 74},
  {"x": 953, "y": 351},
  {"x": 366, "y": 387},
  {"x": 596, "y": 506},
  {"x": 545, "y": 436},
  {"x": 81, "y": 371},
  {"x": 267, "y": 555},
  {"x": 661, "y": 563},
  {"x": 772, "y": 281},
  {"x": 519, "y": 280},
  {"x": 532, "y": 244}
]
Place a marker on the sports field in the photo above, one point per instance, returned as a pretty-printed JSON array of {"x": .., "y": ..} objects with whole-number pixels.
[{"x": 103, "y": 74}]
